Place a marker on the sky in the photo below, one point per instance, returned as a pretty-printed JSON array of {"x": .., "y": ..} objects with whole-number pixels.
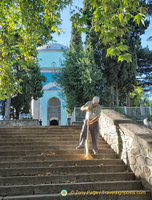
[{"x": 64, "y": 38}]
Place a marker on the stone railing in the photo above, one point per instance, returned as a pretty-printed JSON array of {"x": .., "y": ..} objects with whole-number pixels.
[
  {"x": 27, "y": 122},
  {"x": 131, "y": 141}
]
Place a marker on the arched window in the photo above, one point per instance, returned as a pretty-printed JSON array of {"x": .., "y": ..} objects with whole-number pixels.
[{"x": 53, "y": 64}]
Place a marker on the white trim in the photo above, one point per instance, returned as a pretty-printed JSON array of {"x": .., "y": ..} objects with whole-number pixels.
[
  {"x": 49, "y": 70},
  {"x": 45, "y": 50},
  {"x": 51, "y": 85},
  {"x": 40, "y": 108},
  {"x": 54, "y": 118}
]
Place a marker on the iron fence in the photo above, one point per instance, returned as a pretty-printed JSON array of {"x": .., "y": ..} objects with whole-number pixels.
[{"x": 136, "y": 113}]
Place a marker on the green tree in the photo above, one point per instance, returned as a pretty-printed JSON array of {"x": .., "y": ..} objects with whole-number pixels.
[
  {"x": 120, "y": 77},
  {"x": 81, "y": 78},
  {"x": 33, "y": 21},
  {"x": 91, "y": 76},
  {"x": 75, "y": 39},
  {"x": 144, "y": 68},
  {"x": 92, "y": 37},
  {"x": 69, "y": 78},
  {"x": 31, "y": 88},
  {"x": 136, "y": 95},
  {"x": 111, "y": 19}
]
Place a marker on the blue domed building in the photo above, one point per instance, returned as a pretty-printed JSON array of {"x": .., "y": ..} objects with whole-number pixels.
[{"x": 51, "y": 108}]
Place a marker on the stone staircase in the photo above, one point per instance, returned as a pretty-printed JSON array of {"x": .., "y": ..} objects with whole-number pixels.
[{"x": 39, "y": 163}]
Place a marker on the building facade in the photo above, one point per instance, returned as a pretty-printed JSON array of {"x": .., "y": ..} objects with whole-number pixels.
[
  {"x": 1, "y": 117},
  {"x": 51, "y": 108}
]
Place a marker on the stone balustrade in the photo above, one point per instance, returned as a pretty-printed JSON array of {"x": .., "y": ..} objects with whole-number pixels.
[
  {"x": 131, "y": 141},
  {"x": 26, "y": 122}
]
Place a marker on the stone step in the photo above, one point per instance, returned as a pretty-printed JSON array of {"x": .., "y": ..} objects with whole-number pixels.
[
  {"x": 42, "y": 147},
  {"x": 60, "y": 170},
  {"x": 43, "y": 139},
  {"x": 73, "y": 178},
  {"x": 59, "y": 133},
  {"x": 40, "y": 139},
  {"x": 58, "y": 163},
  {"x": 11, "y": 134},
  {"x": 40, "y": 136},
  {"x": 64, "y": 157},
  {"x": 64, "y": 137},
  {"x": 52, "y": 132},
  {"x": 37, "y": 130},
  {"x": 69, "y": 138},
  {"x": 37, "y": 127},
  {"x": 44, "y": 142},
  {"x": 49, "y": 152},
  {"x": 37, "y": 163},
  {"x": 103, "y": 156},
  {"x": 92, "y": 195},
  {"x": 56, "y": 188},
  {"x": 13, "y": 139}
]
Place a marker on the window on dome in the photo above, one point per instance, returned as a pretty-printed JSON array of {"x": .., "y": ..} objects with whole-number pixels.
[{"x": 53, "y": 64}]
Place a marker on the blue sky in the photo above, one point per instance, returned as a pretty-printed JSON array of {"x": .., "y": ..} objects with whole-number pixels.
[
  {"x": 145, "y": 36},
  {"x": 64, "y": 38}
]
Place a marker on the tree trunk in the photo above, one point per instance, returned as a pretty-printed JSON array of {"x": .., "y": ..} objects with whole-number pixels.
[
  {"x": 7, "y": 108},
  {"x": 17, "y": 113},
  {"x": 112, "y": 95},
  {"x": 117, "y": 95}
]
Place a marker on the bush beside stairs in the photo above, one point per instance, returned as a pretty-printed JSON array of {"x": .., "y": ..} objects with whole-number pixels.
[{"x": 37, "y": 163}]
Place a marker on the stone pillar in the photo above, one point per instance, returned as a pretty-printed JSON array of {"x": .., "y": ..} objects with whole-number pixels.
[{"x": 35, "y": 109}]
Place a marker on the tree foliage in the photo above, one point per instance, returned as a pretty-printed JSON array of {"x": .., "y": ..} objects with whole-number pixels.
[
  {"x": 91, "y": 76},
  {"x": 24, "y": 24},
  {"x": 69, "y": 78},
  {"x": 120, "y": 76},
  {"x": 111, "y": 19},
  {"x": 136, "y": 95},
  {"x": 31, "y": 88},
  {"x": 80, "y": 78},
  {"x": 144, "y": 68}
]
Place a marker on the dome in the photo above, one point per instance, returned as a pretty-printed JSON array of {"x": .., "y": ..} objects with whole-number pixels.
[{"x": 52, "y": 47}]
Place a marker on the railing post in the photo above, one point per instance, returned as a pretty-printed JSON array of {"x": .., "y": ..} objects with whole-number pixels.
[
  {"x": 125, "y": 110},
  {"x": 74, "y": 118},
  {"x": 142, "y": 109},
  {"x": 150, "y": 111}
]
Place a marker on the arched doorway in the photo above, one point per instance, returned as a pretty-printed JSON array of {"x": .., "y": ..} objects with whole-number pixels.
[
  {"x": 54, "y": 122},
  {"x": 54, "y": 111}
]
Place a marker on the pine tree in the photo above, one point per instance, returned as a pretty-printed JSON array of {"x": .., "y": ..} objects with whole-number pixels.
[
  {"x": 75, "y": 41},
  {"x": 92, "y": 37},
  {"x": 144, "y": 69},
  {"x": 80, "y": 79},
  {"x": 69, "y": 78},
  {"x": 91, "y": 79},
  {"x": 120, "y": 76}
]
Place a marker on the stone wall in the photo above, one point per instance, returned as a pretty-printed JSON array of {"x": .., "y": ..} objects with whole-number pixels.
[
  {"x": 131, "y": 141},
  {"x": 27, "y": 122}
]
